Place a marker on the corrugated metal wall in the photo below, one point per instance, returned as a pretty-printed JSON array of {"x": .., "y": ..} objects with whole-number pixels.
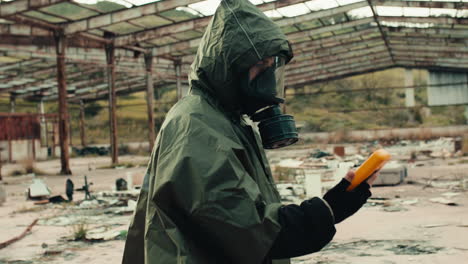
[
  {"x": 447, "y": 94},
  {"x": 19, "y": 126}
]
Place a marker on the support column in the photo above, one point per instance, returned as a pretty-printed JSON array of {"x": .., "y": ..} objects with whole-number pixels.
[
  {"x": 110, "y": 56},
  {"x": 82, "y": 124},
  {"x": 150, "y": 98},
  {"x": 409, "y": 92},
  {"x": 60, "y": 47},
  {"x": 40, "y": 110},
  {"x": 177, "y": 67},
  {"x": 12, "y": 104}
]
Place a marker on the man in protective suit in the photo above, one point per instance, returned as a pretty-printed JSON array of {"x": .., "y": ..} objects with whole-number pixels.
[{"x": 208, "y": 196}]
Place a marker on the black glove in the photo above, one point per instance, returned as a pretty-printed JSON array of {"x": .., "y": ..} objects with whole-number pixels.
[{"x": 344, "y": 203}]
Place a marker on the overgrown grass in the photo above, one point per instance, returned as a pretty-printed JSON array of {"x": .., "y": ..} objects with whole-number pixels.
[{"x": 79, "y": 231}]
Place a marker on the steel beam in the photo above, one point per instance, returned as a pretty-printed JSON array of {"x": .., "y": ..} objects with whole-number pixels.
[
  {"x": 436, "y": 54},
  {"x": 351, "y": 47},
  {"x": 310, "y": 66},
  {"x": 83, "y": 55},
  {"x": 19, "y": 6},
  {"x": 24, "y": 30},
  {"x": 189, "y": 44},
  {"x": 449, "y": 32},
  {"x": 82, "y": 124},
  {"x": 107, "y": 19},
  {"x": 431, "y": 48},
  {"x": 101, "y": 94},
  {"x": 61, "y": 43},
  {"x": 334, "y": 67},
  {"x": 307, "y": 80},
  {"x": 427, "y": 4},
  {"x": 319, "y": 14},
  {"x": 382, "y": 32},
  {"x": 150, "y": 99},
  {"x": 203, "y": 22},
  {"x": 336, "y": 58},
  {"x": 434, "y": 20},
  {"x": 110, "y": 55},
  {"x": 111, "y": 18},
  {"x": 435, "y": 61},
  {"x": 429, "y": 65},
  {"x": 34, "y": 22},
  {"x": 335, "y": 40},
  {"x": 99, "y": 88},
  {"x": 332, "y": 70}
]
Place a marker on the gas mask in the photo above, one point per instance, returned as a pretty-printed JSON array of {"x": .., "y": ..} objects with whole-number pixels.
[{"x": 262, "y": 98}]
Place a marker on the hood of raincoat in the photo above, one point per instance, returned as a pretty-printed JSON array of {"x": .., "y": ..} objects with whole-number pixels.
[{"x": 238, "y": 36}]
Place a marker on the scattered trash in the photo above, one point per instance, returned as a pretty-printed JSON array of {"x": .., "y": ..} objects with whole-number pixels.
[
  {"x": 410, "y": 202},
  {"x": 121, "y": 185},
  {"x": 104, "y": 235},
  {"x": 88, "y": 150},
  {"x": 404, "y": 249},
  {"x": 13, "y": 240},
  {"x": 442, "y": 200},
  {"x": 57, "y": 199},
  {"x": 320, "y": 154},
  {"x": 398, "y": 247},
  {"x": 52, "y": 252},
  {"x": 53, "y": 199},
  {"x": 85, "y": 189},
  {"x": 394, "y": 209},
  {"x": 339, "y": 151},
  {"x": 69, "y": 186},
  {"x": 434, "y": 225},
  {"x": 290, "y": 163},
  {"x": 392, "y": 174},
  {"x": 450, "y": 194},
  {"x": 38, "y": 190}
]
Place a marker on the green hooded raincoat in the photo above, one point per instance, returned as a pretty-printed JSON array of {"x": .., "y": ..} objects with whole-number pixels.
[{"x": 208, "y": 195}]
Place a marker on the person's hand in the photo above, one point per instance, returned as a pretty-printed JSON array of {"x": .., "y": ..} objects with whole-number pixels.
[
  {"x": 344, "y": 203},
  {"x": 350, "y": 176}
]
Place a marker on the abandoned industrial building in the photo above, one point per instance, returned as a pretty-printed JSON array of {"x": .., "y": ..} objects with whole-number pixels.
[{"x": 86, "y": 86}]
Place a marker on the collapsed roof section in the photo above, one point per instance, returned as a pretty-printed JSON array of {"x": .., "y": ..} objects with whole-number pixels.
[{"x": 331, "y": 39}]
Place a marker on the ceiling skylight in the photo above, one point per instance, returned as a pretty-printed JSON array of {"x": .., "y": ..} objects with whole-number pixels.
[
  {"x": 93, "y": 2},
  {"x": 415, "y": 12},
  {"x": 293, "y": 10},
  {"x": 347, "y": 2},
  {"x": 315, "y": 5},
  {"x": 273, "y": 14},
  {"x": 406, "y": 24},
  {"x": 443, "y": 12},
  {"x": 206, "y": 8},
  {"x": 360, "y": 13},
  {"x": 389, "y": 11}
]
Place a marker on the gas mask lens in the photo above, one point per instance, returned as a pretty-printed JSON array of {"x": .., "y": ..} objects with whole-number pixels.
[{"x": 279, "y": 67}]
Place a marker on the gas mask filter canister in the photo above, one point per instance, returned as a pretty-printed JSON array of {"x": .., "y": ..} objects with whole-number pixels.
[{"x": 276, "y": 130}]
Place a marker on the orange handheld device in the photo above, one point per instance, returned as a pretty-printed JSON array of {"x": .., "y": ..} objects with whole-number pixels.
[{"x": 375, "y": 162}]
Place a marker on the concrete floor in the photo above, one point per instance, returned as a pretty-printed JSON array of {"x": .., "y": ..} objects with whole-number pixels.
[{"x": 407, "y": 228}]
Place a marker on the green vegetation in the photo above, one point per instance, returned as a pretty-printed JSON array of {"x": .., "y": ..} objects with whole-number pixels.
[
  {"x": 321, "y": 109},
  {"x": 79, "y": 231}
]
